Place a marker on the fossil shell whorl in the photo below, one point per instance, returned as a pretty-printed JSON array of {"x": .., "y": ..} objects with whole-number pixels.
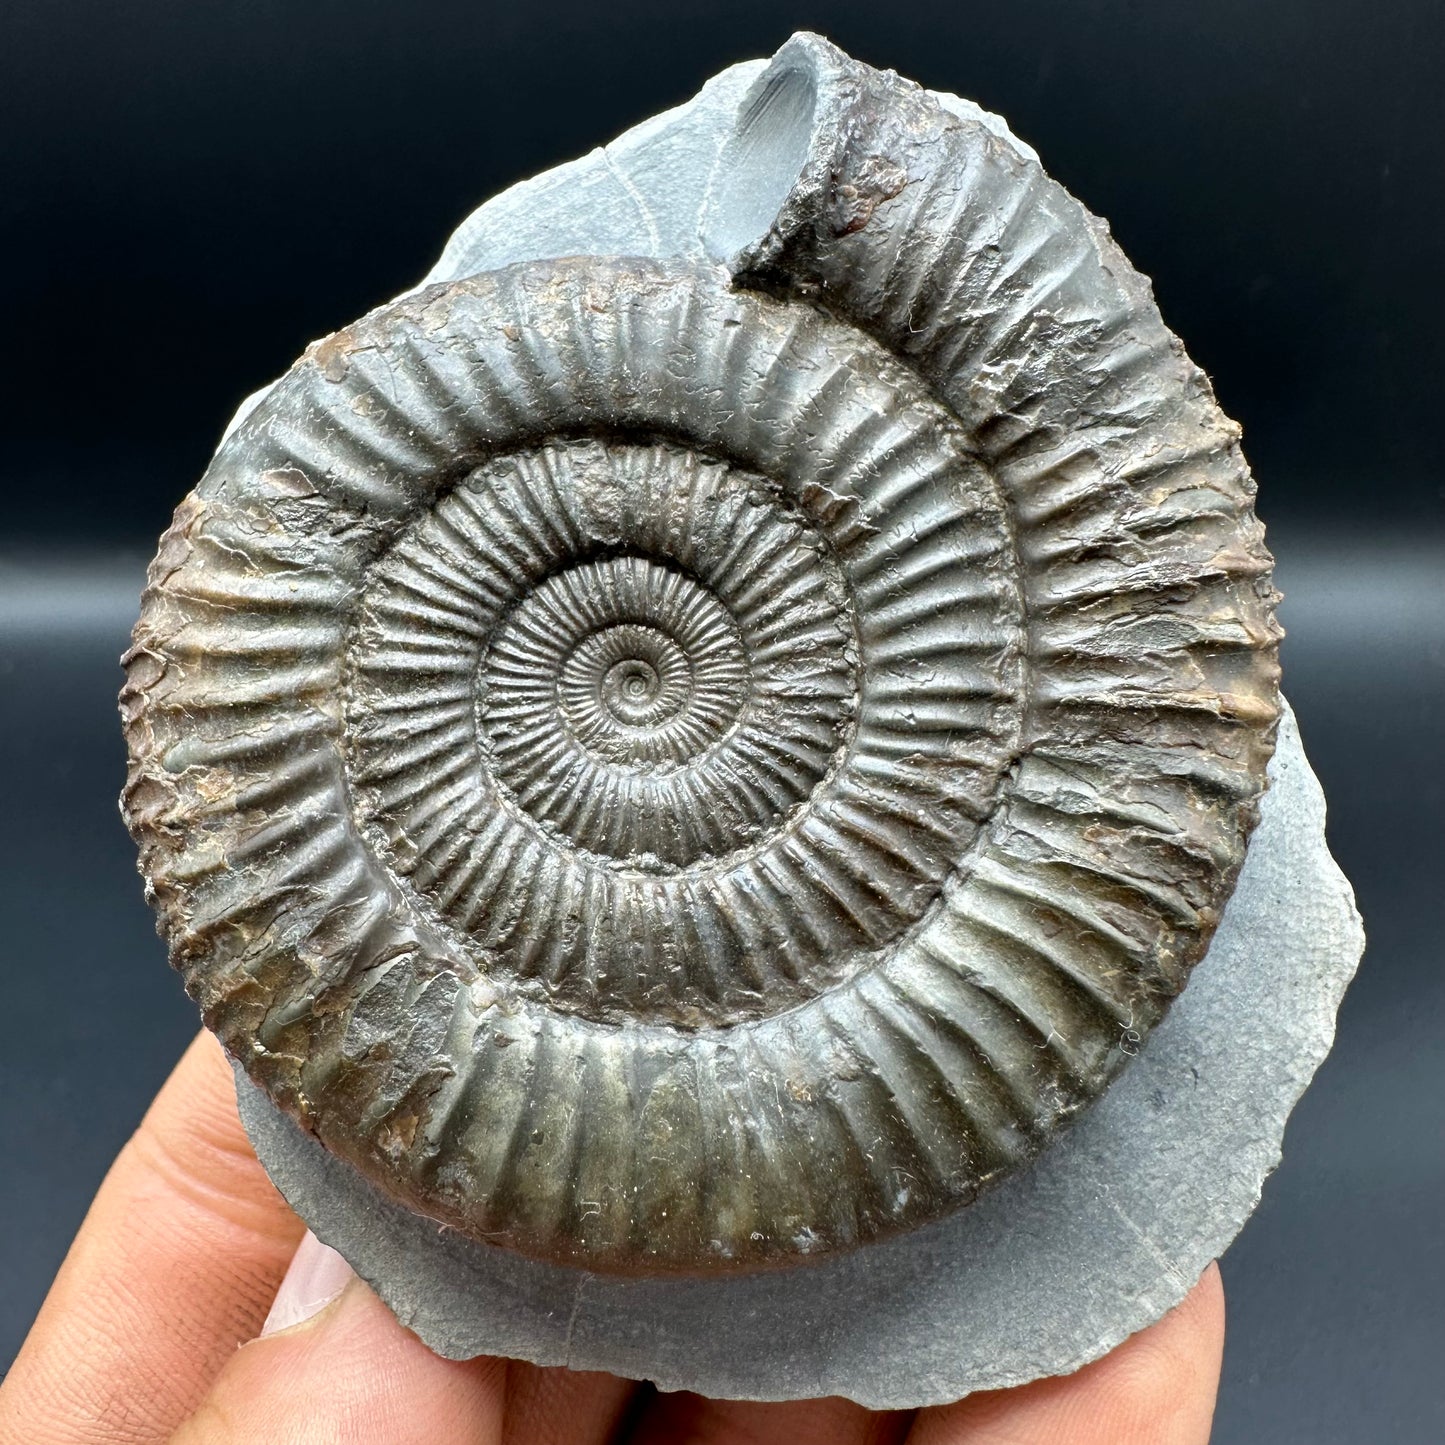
[{"x": 662, "y": 774}]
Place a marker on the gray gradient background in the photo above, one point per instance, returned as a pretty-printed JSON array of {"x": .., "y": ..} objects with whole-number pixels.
[{"x": 189, "y": 194}]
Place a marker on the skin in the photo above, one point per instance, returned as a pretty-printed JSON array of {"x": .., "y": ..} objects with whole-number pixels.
[{"x": 149, "y": 1334}]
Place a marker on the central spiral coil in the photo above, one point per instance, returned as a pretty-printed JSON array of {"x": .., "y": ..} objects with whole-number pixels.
[
  {"x": 621, "y": 678},
  {"x": 605, "y": 699}
]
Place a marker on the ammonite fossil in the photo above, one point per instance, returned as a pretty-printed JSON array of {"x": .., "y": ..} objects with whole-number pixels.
[{"x": 689, "y": 764}]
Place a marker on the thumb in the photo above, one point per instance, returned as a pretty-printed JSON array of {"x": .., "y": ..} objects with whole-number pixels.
[{"x": 332, "y": 1363}]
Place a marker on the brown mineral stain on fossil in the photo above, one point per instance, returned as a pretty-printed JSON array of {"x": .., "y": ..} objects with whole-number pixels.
[{"x": 684, "y": 765}]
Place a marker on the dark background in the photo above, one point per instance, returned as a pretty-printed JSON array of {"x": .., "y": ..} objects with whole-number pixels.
[{"x": 191, "y": 192}]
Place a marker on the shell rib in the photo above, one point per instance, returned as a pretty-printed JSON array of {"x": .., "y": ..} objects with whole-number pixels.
[{"x": 687, "y": 765}]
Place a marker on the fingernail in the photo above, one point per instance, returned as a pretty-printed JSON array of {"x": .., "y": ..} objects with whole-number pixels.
[{"x": 316, "y": 1276}]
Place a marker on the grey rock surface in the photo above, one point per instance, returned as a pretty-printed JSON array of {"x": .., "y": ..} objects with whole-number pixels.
[{"x": 1055, "y": 1267}]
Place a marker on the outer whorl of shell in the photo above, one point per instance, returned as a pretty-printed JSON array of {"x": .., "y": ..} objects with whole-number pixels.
[{"x": 667, "y": 765}]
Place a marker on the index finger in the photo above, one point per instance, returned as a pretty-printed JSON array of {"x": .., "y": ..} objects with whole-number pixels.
[{"x": 175, "y": 1264}]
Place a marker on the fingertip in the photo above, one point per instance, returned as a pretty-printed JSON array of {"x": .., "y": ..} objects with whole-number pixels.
[
  {"x": 1157, "y": 1388},
  {"x": 315, "y": 1278},
  {"x": 1207, "y": 1298},
  {"x": 346, "y": 1371},
  {"x": 1160, "y": 1384}
]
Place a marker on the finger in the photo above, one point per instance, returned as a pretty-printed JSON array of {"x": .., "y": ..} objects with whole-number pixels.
[
  {"x": 685, "y": 1419},
  {"x": 552, "y": 1406},
  {"x": 333, "y": 1364},
  {"x": 1157, "y": 1388},
  {"x": 349, "y": 1372},
  {"x": 175, "y": 1264}
]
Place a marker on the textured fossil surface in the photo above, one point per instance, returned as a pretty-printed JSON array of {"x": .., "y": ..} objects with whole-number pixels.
[{"x": 689, "y": 763}]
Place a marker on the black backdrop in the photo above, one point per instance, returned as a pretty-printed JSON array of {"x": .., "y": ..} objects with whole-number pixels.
[{"x": 191, "y": 192}]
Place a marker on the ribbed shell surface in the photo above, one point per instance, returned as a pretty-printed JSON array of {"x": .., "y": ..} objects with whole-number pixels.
[{"x": 672, "y": 765}]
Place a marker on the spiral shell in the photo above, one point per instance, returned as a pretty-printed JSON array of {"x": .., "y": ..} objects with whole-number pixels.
[{"x": 668, "y": 765}]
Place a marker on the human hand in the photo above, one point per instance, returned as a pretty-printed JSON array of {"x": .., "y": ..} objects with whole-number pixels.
[{"x": 181, "y": 1256}]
